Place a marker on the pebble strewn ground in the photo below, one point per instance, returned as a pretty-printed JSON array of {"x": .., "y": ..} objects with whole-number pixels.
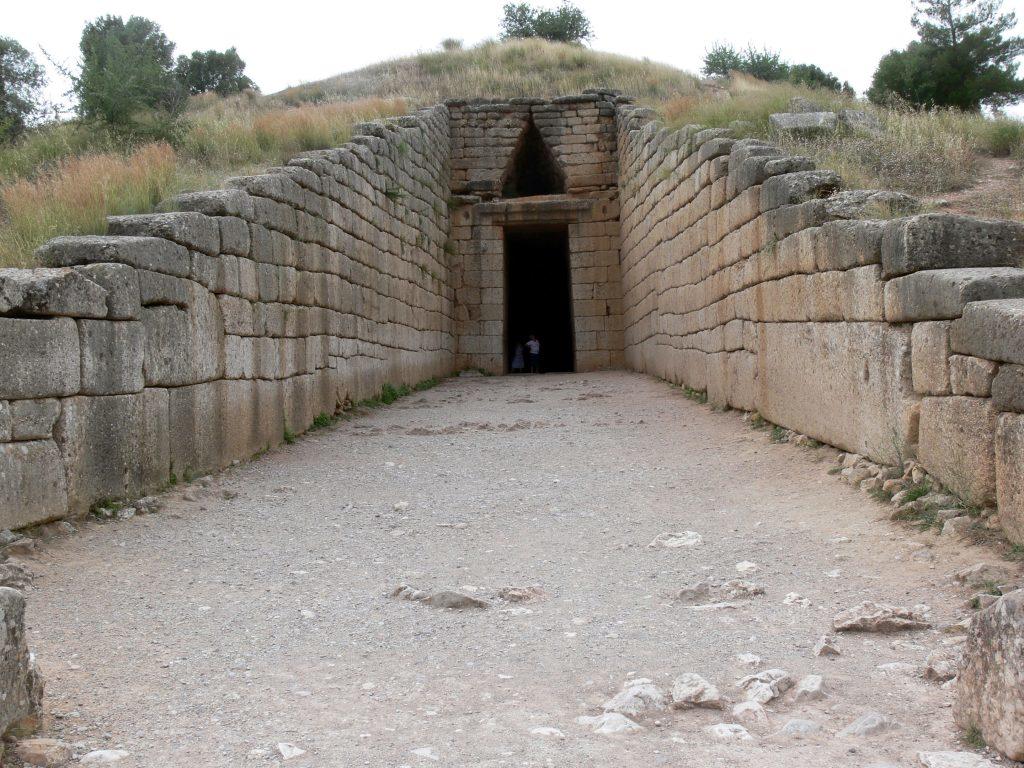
[{"x": 260, "y": 618}]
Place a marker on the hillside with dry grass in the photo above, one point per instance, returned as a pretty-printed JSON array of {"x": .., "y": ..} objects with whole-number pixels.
[{"x": 65, "y": 178}]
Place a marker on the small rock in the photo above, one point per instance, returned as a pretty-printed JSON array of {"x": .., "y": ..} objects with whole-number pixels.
[
  {"x": 748, "y": 659},
  {"x": 522, "y": 594},
  {"x": 747, "y": 567},
  {"x": 794, "y": 598},
  {"x": 691, "y": 690},
  {"x": 799, "y": 729},
  {"x": 982, "y": 574},
  {"x": 637, "y": 698},
  {"x": 982, "y": 600},
  {"x": 405, "y": 592},
  {"x": 15, "y": 574},
  {"x": 850, "y": 460},
  {"x": 289, "y": 751},
  {"x": 547, "y": 731},
  {"x": 809, "y": 688},
  {"x": 826, "y": 646},
  {"x": 610, "y": 724},
  {"x": 426, "y": 752},
  {"x": 228, "y": 494},
  {"x": 870, "y": 724},
  {"x": 455, "y": 601},
  {"x": 957, "y": 526},
  {"x": 899, "y": 668},
  {"x": 19, "y": 547},
  {"x": 877, "y": 617},
  {"x": 696, "y": 593},
  {"x": 676, "y": 540},
  {"x": 728, "y": 732},
  {"x": 125, "y": 513},
  {"x": 942, "y": 665},
  {"x": 148, "y": 505},
  {"x": 953, "y": 760},
  {"x": 49, "y": 753},
  {"x": 750, "y": 712},
  {"x": 737, "y": 588},
  {"x": 103, "y": 756},
  {"x": 766, "y": 685}
]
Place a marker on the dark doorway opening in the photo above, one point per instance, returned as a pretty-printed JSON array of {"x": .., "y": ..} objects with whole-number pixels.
[
  {"x": 538, "y": 295},
  {"x": 533, "y": 169}
]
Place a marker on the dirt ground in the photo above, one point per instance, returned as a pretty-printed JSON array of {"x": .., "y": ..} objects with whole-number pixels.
[{"x": 255, "y": 610}]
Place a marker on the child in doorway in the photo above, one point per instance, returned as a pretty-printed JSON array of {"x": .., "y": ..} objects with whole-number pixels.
[{"x": 518, "y": 363}]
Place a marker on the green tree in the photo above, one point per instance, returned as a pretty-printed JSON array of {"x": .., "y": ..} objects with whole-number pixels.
[
  {"x": 127, "y": 78},
  {"x": 721, "y": 59},
  {"x": 565, "y": 24},
  {"x": 815, "y": 77},
  {"x": 764, "y": 64},
  {"x": 21, "y": 81},
  {"x": 221, "y": 73},
  {"x": 963, "y": 58}
]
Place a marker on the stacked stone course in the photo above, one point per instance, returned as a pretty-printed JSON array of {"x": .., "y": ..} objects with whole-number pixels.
[
  {"x": 188, "y": 339},
  {"x": 746, "y": 274}
]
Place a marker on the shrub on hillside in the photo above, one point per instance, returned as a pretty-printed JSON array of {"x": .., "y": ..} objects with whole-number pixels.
[
  {"x": 213, "y": 72},
  {"x": 565, "y": 24},
  {"x": 764, "y": 64}
]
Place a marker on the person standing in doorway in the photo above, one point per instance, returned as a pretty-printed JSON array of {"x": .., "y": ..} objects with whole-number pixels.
[
  {"x": 518, "y": 361},
  {"x": 533, "y": 349}
]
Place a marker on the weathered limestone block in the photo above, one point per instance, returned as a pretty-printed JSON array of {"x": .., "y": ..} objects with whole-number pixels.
[
  {"x": 153, "y": 253},
  {"x": 196, "y": 428},
  {"x": 40, "y": 358},
  {"x": 846, "y": 244},
  {"x": 195, "y": 231},
  {"x": 804, "y": 123},
  {"x": 941, "y": 294},
  {"x": 847, "y": 384},
  {"x": 51, "y": 292},
  {"x": 957, "y": 445},
  {"x": 184, "y": 346},
  {"x": 991, "y": 329},
  {"x": 32, "y": 483},
  {"x": 156, "y": 289},
  {"x": 794, "y": 188},
  {"x": 948, "y": 241},
  {"x": 971, "y": 375},
  {"x": 112, "y": 356},
  {"x": 114, "y": 447},
  {"x": 871, "y": 203},
  {"x": 219, "y": 202},
  {"x": 1010, "y": 474},
  {"x": 121, "y": 283},
  {"x": 1008, "y": 389},
  {"x": 930, "y": 358},
  {"x": 988, "y": 689},
  {"x": 19, "y": 680},
  {"x": 6, "y": 423},
  {"x": 34, "y": 419}
]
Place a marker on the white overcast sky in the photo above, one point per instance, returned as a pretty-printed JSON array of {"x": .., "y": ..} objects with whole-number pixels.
[{"x": 286, "y": 43}]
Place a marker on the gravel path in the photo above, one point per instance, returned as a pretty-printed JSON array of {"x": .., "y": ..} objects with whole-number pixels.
[{"x": 255, "y": 610}]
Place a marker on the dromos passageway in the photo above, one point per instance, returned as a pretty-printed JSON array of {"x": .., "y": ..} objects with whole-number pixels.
[{"x": 254, "y": 609}]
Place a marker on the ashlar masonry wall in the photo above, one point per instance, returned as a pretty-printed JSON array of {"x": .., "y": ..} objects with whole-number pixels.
[
  {"x": 185, "y": 340},
  {"x": 580, "y": 132},
  {"x": 745, "y": 274}
]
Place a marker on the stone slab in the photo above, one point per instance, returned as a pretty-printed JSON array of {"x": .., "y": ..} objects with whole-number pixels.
[
  {"x": 957, "y": 445},
  {"x": 40, "y": 358},
  {"x": 941, "y": 294},
  {"x": 32, "y": 483},
  {"x": 113, "y": 353},
  {"x": 949, "y": 241},
  {"x": 991, "y": 329}
]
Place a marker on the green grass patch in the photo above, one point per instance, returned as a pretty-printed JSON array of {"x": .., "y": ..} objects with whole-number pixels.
[
  {"x": 289, "y": 436},
  {"x": 778, "y": 434},
  {"x": 915, "y": 492},
  {"x": 972, "y": 738}
]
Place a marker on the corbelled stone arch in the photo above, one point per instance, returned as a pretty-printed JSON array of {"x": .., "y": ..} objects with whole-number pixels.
[{"x": 532, "y": 168}]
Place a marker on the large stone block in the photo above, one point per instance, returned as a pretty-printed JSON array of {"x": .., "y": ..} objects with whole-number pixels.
[
  {"x": 34, "y": 419},
  {"x": 991, "y": 329},
  {"x": 195, "y": 428},
  {"x": 957, "y": 445},
  {"x": 184, "y": 346},
  {"x": 122, "y": 286},
  {"x": 1008, "y": 389},
  {"x": 33, "y": 488},
  {"x": 105, "y": 448},
  {"x": 51, "y": 292},
  {"x": 195, "y": 231},
  {"x": 846, "y": 384},
  {"x": 804, "y": 123},
  {"x": 1010, "y": 474},
  {"x": 940, "y": 294},
  {"x": 153, "y": 253},
  {"x": 20, "y": 682},
  {"x": 930, "y": 358},
  {"x": 948, "y": 241},
  {"x": 40, "y": 358},
  {"x": 794, "y": 188},
  {"x": 991, "y": 678},
  {"x": 113, "y": 353}
]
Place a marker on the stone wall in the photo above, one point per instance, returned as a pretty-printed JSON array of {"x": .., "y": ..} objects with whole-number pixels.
[
  {"x": 185, "y": 340},
  {"x": 745, "y": 274}
]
